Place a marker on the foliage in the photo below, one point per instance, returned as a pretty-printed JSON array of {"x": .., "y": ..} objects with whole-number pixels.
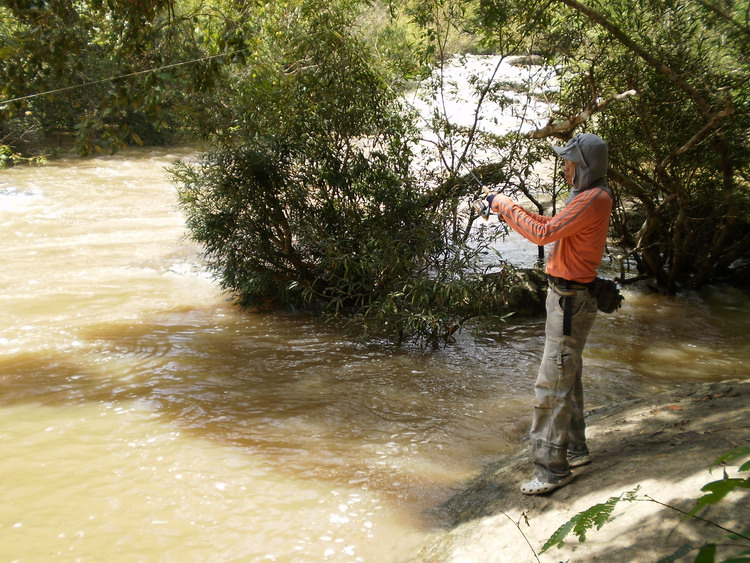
[
  {"x": 582, "y": 522},
  {"x": 320, "y": 190},
  {"x": 119, "y": 73},
  {"x": 260, "y": 88},
  {"x": 310, "y": 198},
  {"x": 9, "y": 157},
  {"x": 393, "y": 40},
  {"x": 716, "y": 491},
  {"x": 680, "y": 152},
  {"x": 93, "y": 61},
  {"x": 444, "y": 27}
]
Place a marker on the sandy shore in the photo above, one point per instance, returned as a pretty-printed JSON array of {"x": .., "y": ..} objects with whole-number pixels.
[{"x": 665, "y": 444}]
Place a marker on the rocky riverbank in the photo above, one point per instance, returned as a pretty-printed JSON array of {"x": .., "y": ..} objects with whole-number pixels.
[{"x": 665, "y": 445}]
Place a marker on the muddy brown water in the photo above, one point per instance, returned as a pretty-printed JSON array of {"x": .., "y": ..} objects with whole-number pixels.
[{"x": 144, "y": 418}]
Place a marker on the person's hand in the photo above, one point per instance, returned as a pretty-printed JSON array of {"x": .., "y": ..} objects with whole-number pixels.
[{"x": 489, "y": 199}]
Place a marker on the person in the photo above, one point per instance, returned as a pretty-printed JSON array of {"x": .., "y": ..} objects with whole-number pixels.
[{"x": 578, "y": 234}]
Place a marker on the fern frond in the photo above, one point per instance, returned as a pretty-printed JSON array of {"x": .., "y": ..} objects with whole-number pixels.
[
  {"x": 558, "y": 538},
  {"x": 594, "y": 516},
  {"x": 631, "y": 495},
  {"x": 597, "y": 516}
]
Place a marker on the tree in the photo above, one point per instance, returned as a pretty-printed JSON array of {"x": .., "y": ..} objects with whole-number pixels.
[
  {"x": 679, "y": 148},
  {"x": 109, "y": 71},
  {"x": 311, "y": 198}
]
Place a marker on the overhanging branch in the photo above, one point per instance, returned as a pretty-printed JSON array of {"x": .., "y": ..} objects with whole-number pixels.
[
  {"x": 652, "y": 60},
  {"x": 712, "y": 124},
  {"x": 563, "y": 128}
]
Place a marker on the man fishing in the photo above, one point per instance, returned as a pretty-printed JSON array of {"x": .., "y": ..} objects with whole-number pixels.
[{"x": 578, "y": 234}]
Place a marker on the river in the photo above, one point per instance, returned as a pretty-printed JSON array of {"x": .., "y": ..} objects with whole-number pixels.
[{"x": 143, "y": 417}]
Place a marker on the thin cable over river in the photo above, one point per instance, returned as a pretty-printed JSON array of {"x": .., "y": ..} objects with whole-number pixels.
[{"x": 144, "y": 418}]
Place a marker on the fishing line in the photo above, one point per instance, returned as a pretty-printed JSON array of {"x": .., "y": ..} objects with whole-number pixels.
[{"x": 101, "y": 81}]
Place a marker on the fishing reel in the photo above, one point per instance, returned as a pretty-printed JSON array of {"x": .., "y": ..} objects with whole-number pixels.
[{"x": 482, "y": 208}]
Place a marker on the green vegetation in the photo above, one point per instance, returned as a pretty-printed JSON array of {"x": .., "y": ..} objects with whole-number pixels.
[
  {"x": 316, "y": 191},
  {"x": 715, "y": 491},
  {"x": 311, "y": 197},
  {"x": 53, "y": 46},
  {"x": 680, "y": 156}
]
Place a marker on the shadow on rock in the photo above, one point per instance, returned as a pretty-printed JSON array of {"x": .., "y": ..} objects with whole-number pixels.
[{"x": 664, "y": 444}]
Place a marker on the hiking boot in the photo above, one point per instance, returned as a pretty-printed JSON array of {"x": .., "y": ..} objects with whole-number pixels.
[{"x": 577, "y": 460}]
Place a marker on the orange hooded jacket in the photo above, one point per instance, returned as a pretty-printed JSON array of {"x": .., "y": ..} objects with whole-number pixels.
[{"x": 579, "y": 232}]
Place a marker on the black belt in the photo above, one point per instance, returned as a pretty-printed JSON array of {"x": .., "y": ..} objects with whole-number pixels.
[
  {"x": 567, "y": 301},
  {"x": 567, "y": 284}
]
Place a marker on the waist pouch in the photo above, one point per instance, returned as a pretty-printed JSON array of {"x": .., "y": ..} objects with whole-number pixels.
[{"x": 608, "y": 296}]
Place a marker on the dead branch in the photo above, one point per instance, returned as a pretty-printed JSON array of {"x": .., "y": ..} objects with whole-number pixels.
[{"x": 561, "y": 128}]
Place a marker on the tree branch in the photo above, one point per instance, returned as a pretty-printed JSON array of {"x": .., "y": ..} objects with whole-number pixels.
[
  {"x": 659, "y": 66},
  {"x": 562, "y": 128},
  {"x": 705, "y": 131}
]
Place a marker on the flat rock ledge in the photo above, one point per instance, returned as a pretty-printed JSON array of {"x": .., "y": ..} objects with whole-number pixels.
[{"x": 665, "y": 444}]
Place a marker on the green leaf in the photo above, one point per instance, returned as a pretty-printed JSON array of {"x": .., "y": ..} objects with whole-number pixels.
[
  {"x": 717, "y": 490},
  {"x": 582, "y": 522},
  {"x": 558, "y": 538},
  {"x": 682, "y": 551},
  {"x": 706, "y": 554},
  {"x": 737, "y": 453}
]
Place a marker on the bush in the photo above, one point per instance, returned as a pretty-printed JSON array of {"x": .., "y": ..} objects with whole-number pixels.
[{"x": 310, "y": 198}]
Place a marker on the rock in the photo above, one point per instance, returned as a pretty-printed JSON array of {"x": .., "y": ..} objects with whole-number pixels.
[
  {"x": 528, "y": 297},
  {"x": 663, "y": 446},
  {"x": 525, "y": 60}
]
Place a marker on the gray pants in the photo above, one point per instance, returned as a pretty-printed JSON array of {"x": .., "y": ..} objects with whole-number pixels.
[{"x": 558, "y": 425}]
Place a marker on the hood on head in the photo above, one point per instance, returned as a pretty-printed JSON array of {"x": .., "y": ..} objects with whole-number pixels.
[{"x": 589, "y": 152}]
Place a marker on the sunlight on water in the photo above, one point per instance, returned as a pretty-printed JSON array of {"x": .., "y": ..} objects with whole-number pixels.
[
  {"x": 144, "y": 417},
  {"x": 693, "y": 337}
]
